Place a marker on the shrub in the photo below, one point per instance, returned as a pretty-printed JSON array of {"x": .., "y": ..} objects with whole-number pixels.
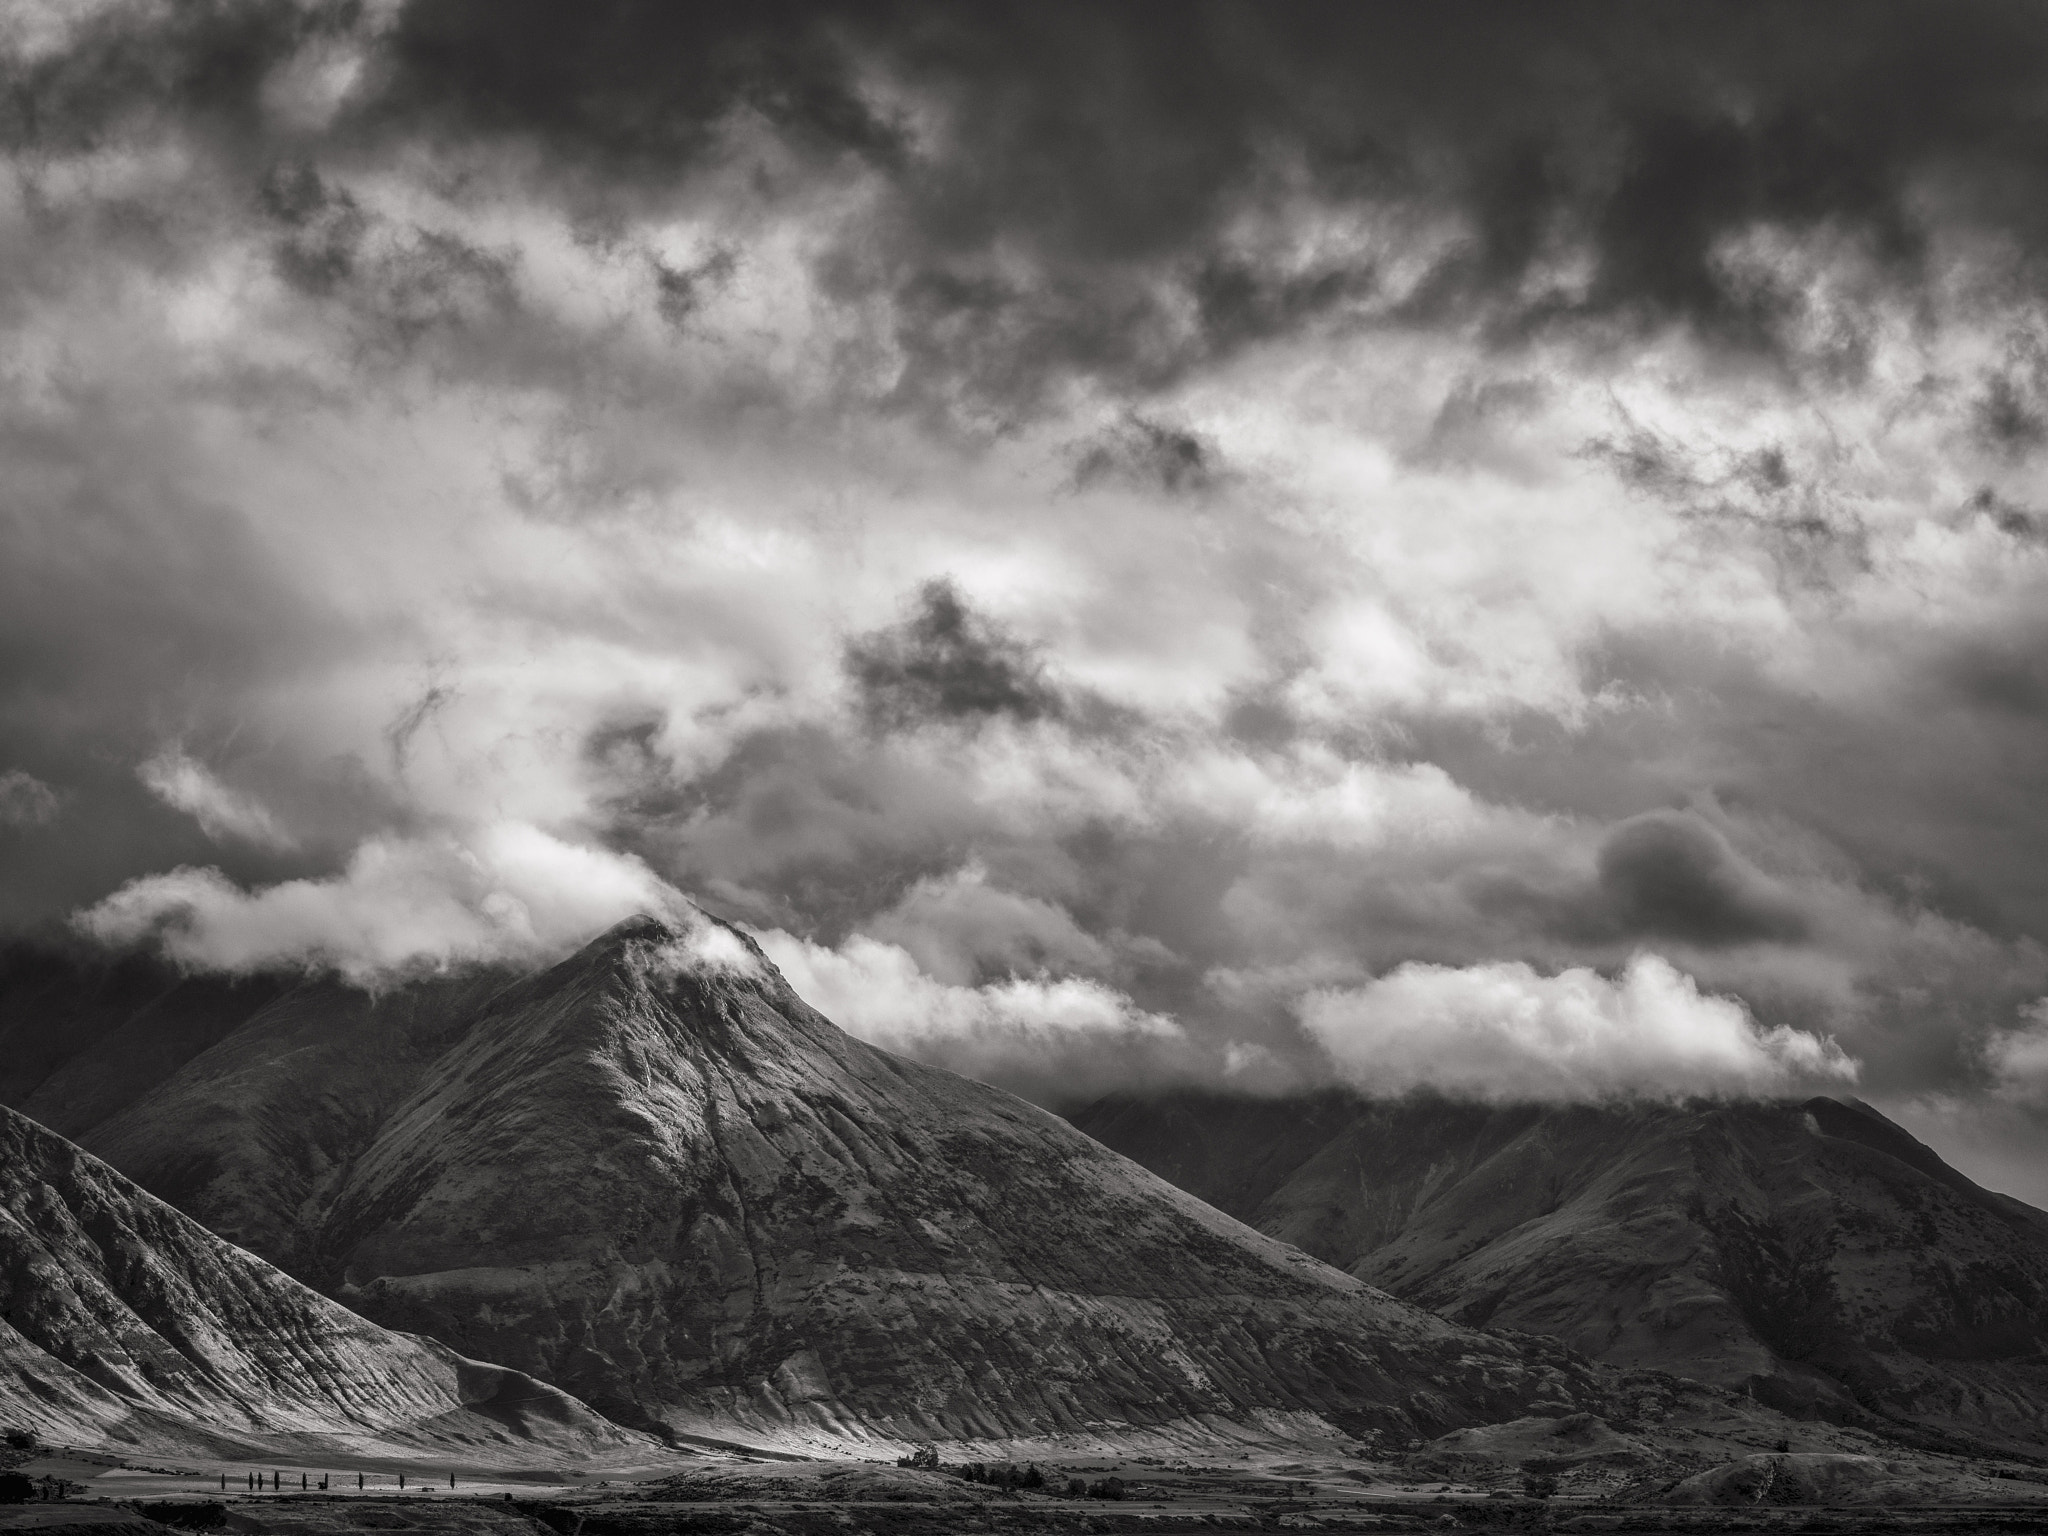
[
  {"x": 1539, "y": 1485},
  {"x": 15, "y": 1489},
  {"x": 1106, "y": 1488},
  {"x": 1076, "y": 1488},
  {"x": 19, "y": 1439}
]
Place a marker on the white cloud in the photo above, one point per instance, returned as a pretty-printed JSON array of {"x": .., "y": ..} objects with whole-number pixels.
[
  {"x": 503, "y": 892},
  {"x": 1505, "y": 1032},
  {"x": 223, "y": 813},
  {"x": 2018, "y": 1058},
  {"x": 25, "y": 800},
  {"x": 1039, "y": 1035},
  {"x": 957, "y": 925}
]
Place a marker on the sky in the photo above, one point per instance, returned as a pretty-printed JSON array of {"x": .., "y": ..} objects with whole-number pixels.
[{"x": 1496, "y": 549}]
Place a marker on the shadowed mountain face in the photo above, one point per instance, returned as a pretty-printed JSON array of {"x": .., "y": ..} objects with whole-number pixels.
[
  {"x": 1812, "y": 1253},
  {"x": 662, "y": 1182},
  {"x": 83, "y": 1037},
  {"x": 121, "y": 1318}
]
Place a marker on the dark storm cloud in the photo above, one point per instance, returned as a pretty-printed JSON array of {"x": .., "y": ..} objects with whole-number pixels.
[
  {"x": 946, "y": 662},
  {"x": 1149, "y": 455},
  {"x": 1069, "y": 184},
  {"x": 1669, "y": 875}
]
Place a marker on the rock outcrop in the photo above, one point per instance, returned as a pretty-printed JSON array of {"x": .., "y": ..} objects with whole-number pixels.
[
  {"x": 123, "y": 1320},
  {"x": 1811, "y": 1254}
]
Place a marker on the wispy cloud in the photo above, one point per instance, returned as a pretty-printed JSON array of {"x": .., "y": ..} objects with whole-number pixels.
[
  {"x": 223, "y": 813},
  {"x": 25, "y": 800}
]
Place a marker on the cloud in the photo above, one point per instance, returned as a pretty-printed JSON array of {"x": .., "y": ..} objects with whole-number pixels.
[
  {"x": 1671, "y": 875},
  {"x": 505, "y": 892},
  {"x": 1505, "y": 1032},
  {"x": 946, "y": 662},
  {"x": 1149, "y": 455},
  {"x": 25, "y": 800},
  {"x": 1185, "y": 192},
  {"x": 2018, "y": 1058},
  {"x": 1054, "y": 1039},
  {"x": 959, "y": 926},
  {"x": 188, "y": 785}
]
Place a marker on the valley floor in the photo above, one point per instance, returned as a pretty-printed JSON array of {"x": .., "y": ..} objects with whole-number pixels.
[{"x": 747, "y": 1497}]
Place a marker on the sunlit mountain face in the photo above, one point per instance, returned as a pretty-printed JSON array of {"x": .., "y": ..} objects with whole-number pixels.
[{"x": 1480, "y": 549}]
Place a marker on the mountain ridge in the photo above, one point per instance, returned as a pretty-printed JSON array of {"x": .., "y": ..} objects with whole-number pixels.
[
  {"x": 123, "y": 1320},
  {"x": 1810, "y": 1253}
]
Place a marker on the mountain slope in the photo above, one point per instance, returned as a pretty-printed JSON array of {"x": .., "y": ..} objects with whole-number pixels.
[
  {"x": 122, "y": 1319},
  {"x": 1813, "y": 1254},
  {"x": 85, "y": 1035},
  {"x": 663, "y": 1182},
  {"x": 261, "y": 1128}
]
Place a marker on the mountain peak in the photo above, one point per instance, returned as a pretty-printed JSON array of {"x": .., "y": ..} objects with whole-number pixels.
[
  {"x": 691, "y": 943},
  {"x": 652, "y": 1175}
]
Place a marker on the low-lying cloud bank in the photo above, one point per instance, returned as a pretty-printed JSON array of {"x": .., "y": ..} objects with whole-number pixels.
[
  {"x": 1505, "y": 1033},
  {"x": 503, "y": 892},
  {"x": 1052, "y": 1038},
  {"x": 511, "y": 893}
]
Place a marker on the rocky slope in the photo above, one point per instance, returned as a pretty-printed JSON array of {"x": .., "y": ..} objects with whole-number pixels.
[
  {"x": 123, "y": 1320},
  {"x": 1812, "y": 1254},
  {"x": 659, "y": 1180}
]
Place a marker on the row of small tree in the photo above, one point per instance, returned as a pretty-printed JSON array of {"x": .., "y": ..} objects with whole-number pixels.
[
  {"x": 1008, "y": 1476},
  {"x": 1003, "y": 1475}
]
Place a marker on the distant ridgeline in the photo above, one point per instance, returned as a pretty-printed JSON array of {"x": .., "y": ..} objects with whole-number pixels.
[{"x": 1813, "y": 1255}]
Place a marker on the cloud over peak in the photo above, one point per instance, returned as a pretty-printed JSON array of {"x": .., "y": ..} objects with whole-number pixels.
[
  {"x": 499, "y": 893},
  {"x": 1506, "y": 1033}
]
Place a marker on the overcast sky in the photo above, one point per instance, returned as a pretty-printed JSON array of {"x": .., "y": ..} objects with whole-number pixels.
[{"x": 1496, "y": 548}]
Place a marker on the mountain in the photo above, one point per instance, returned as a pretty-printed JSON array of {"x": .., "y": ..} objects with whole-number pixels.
[
  {"x": 654, "y": 1177},
  {"x": 123, "y": 1320},
  {"x": 256, "y": 1134},
  {"x": 1811, "y": 1254},
  {"x": 83, "y": 1034}
]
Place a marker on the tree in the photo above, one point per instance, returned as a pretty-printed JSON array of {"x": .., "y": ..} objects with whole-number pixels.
[
  {"x": 16, "y": 1489},
  {"x": 1539, "y": 1485}
]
